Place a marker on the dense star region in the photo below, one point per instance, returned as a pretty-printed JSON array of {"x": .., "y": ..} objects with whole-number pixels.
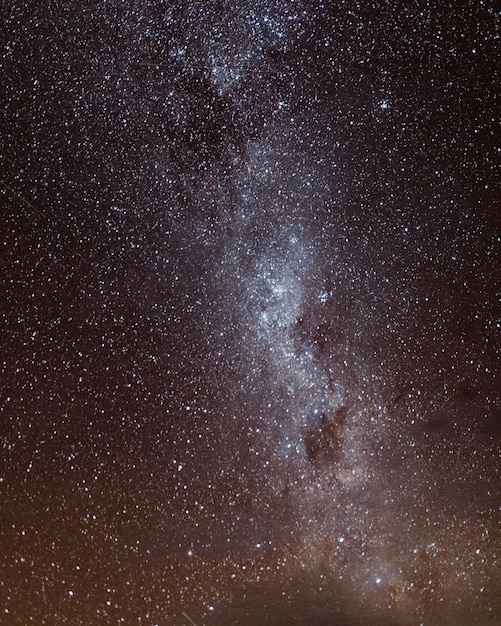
[{"x": 251, "y": 282}]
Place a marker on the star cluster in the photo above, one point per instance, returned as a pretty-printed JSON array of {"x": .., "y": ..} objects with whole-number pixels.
[{"x": 251, "y": 322}]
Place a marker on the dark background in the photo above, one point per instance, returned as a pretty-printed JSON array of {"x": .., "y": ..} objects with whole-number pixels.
[{"x": 251, "y": 285}]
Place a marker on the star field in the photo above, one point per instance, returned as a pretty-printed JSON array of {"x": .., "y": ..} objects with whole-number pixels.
[{"x": 250, "y": 348}]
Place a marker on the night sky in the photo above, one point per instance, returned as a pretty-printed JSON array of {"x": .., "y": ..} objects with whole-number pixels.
[{"x": 250, "y": 303}]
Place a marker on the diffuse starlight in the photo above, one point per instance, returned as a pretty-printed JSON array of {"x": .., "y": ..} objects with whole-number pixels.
[{"x": 250, "y": 359}]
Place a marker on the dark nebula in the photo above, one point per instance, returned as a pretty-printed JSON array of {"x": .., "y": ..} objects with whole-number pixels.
[
  {"x": 250, "y": 271},
  {"x": 323, "y": 443}
]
